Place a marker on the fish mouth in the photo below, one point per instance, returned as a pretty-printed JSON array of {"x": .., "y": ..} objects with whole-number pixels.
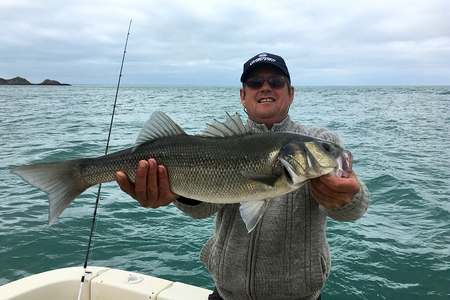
[
  {"x": 266, "y": 100},
  {"x": 344, "y": 164}
]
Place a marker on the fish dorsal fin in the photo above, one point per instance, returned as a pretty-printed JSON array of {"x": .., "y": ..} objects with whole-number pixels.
[
  {"x": 232, "y": 126},
  {"x": 157, "y": 126}
]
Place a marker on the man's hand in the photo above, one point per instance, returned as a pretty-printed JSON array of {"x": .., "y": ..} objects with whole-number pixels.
[
  {"x": 334, "y": 192},
  {"x": 151, "y": 187}
]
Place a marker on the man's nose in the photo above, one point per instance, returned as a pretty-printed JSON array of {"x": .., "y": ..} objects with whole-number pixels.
[{"x": 266, "y": 86}]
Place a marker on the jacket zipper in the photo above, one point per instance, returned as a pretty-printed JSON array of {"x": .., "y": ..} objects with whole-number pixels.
[
  {"x": 226, "y": 240},
  {"x": 251, "y": 262}
]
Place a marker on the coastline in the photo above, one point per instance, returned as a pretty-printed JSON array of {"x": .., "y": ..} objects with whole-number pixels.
[{"x": 22, "y": 81}]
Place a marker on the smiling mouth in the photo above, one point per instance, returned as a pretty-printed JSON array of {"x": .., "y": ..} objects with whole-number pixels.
[{"x": 266, "y": 100}]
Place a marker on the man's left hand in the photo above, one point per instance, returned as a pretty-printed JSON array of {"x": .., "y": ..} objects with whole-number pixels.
[{"x": 334, "y": 192}]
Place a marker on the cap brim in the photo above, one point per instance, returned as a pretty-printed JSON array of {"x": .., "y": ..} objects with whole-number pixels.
[{"x": 257, "y": 65}]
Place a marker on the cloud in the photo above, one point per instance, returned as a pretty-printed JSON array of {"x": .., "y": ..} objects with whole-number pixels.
[{"x": 206, "y": 42}]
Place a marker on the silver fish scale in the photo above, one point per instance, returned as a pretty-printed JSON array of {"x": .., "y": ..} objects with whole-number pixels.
[
  {"x": 203, "y": 168},
  {"x": 217, "y": 169}
]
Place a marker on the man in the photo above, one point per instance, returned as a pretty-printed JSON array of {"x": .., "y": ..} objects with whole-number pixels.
[{"x": 287, "y": 255}]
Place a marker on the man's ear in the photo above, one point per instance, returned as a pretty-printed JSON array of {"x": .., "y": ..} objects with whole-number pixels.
[
  {"x": 242, "y": 95},
  {"x": 291, "y": 93}
]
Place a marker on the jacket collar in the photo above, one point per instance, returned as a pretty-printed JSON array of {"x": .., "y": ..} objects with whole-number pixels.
[{"x": 284, "y": 125}]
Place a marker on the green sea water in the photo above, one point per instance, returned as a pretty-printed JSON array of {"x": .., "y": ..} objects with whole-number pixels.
[{"x": 399, "y": 137}]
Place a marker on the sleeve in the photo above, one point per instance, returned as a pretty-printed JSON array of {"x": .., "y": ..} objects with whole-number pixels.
[{"x": 197, "y": 209}]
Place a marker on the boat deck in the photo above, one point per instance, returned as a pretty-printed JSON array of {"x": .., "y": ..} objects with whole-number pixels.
[{"x": 101, "y": 283}]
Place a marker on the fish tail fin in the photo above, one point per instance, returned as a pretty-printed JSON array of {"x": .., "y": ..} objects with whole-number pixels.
[{"x": 62, "y": 182}]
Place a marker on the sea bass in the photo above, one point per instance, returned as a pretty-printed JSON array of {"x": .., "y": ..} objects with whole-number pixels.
[{"x": 227, "y": 163}]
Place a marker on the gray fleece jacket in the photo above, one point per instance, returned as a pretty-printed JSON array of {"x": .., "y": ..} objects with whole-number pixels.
[{"x": 287, "y": 255}]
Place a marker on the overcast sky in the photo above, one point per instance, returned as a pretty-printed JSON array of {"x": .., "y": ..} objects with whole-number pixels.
[{"x": 206, "y": 42}]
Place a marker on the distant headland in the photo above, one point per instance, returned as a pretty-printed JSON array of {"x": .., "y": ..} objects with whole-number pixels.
[{"x": 22, "y": 81}]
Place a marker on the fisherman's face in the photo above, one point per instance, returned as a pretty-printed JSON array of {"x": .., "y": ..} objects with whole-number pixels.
[{"x": 267, "y": 104}]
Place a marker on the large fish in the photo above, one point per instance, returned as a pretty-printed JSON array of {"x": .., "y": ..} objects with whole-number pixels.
[{"x": 225, "y": 164}]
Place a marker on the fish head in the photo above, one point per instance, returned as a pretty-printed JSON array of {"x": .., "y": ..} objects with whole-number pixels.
[{"x": 304, "y": 160}]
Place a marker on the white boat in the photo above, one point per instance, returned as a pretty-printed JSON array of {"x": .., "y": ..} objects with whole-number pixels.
[{"x": 101, "y": 284}]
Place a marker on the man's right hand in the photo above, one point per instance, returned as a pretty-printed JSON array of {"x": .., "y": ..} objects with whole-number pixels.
[{"x": 151, "y": 187}]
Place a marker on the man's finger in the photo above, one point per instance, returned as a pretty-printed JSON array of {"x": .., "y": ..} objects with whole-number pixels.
[
  {"x": 152, "y": 183},
  {"x": 340, "y": 184},
  {"x": 165, "y": 194},
  {"x": 323, "y": 191},
  {"x": 328, "y": 198},
  {"x": 141, "y": 182},
  {"x": 125, "y": 184}
]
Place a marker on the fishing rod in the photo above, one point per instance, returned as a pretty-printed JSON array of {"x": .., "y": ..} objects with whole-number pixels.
[{"x": 100, "y": 185}]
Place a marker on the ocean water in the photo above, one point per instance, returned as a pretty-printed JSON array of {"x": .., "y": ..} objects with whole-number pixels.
[{"x": 399, "y": 137}]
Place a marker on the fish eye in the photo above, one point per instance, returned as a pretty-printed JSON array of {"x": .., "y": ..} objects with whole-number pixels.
[{"x": 326, "y": 147}]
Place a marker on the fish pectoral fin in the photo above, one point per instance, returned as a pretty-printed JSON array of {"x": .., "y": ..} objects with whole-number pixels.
[
  {"x": 294, "y": 178},
  {"x": 252, "y": 212},
  {"x": 159, "y": 125},
  {"x": 266, "y": 179}
]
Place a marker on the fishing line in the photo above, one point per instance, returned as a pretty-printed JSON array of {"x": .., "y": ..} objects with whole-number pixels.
[{"x": 100, "y": 185}]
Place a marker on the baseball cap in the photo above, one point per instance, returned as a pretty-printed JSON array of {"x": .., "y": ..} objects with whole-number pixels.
[{"x": 264, "y": 58}]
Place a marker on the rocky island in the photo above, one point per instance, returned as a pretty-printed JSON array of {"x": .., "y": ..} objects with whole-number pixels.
[{"x": 22, "y": 81}]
